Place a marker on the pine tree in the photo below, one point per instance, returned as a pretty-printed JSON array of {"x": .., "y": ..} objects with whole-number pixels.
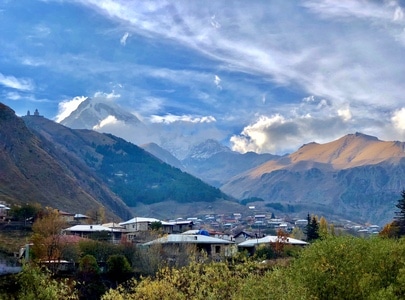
[
  {"x": 312, "y": 228},
  {"x": 400, "y": 215}
]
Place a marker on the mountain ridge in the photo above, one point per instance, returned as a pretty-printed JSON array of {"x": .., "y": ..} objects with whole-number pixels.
[{"x": 30, "y": 173}]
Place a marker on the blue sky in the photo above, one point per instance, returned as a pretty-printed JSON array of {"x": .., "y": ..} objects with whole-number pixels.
[{"x": 263, "y": 76}]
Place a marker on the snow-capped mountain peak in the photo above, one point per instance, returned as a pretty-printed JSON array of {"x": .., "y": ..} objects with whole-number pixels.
[
  {"x": 92, "y": 112},
  {"x": 207, "y": 149}
]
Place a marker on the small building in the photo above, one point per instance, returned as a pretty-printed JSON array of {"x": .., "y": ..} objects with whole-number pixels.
[
  {"x": 138, "y": 224},
  {"x": 214, "y": 247},
  {"x": 3, "y": 212},
  {"x": 243, "y": 236},
  {"x": 250, "y": 245},
  {"x": 301, "y": 223},
  {"x": 82, "y": 219},
  {"x": 96, "y": 232},
  {"x": 67, "y": 217},
  {"x": 178, "y": 226}
]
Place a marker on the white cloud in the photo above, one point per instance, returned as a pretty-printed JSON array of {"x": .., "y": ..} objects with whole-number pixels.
[
  {"x": 215, "y": 23},
  {"x": 110, "y": 120},
  {"x": 124, "y": 38},
  {"x": 32, "y": 62},
  {"x": 398, "y": 14},
  {"x": 347, "y": 55},
  {"x": 345, "y": 114},
  {"x": 279, "y": 134},
  {"x": 13, "y": 96},
  {"x": 107, "y": 96},
  {"x": 322, "y": 59},
  {"x": 16, "y": 83},
  {"x": 217, "y": 82},
  {"x": 398, "y": 120},
  {"x": 168, "y": 119},
  {"x": 66, "y": 107},
  {"x": 255, "y": 137}
]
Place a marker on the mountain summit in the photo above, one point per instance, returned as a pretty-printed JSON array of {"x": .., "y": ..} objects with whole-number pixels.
[
  {"x": 357, "y": 176},
  {"x": 206, "y": 150},
  {"x": 94, "y": 113}
]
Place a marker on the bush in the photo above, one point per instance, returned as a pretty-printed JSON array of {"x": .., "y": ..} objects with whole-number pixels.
[{"x": 118, "y": 268}]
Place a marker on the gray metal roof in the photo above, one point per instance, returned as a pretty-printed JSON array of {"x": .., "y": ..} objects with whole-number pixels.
[
  {"x": 188, "y": 239},
  {"x": 270, "y": 239}
]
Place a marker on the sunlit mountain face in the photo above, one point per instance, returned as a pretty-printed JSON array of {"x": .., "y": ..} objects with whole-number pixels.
[{"x": 254, "y": 76}]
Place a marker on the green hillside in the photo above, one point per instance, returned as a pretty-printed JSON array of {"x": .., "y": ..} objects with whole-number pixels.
[{"x": 130, "y": 172}]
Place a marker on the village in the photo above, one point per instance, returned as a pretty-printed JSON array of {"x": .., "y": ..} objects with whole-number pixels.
[{"x": 219, "y": 235}]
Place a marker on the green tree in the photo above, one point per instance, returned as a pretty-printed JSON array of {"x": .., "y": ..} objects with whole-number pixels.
[
  {"x": 36, "y": 283},
  {"x": 25, "y": 212},
  {"x": 157, "y": 225},
  {"x": 312, "y": 228},
  {"x": 88, "y": 265},
  {"x": 400, "y": 215},
  {"x": 90, "y": 285},
  {"x": 118, "y": 268},
  {"x": 348, "y": 267}
]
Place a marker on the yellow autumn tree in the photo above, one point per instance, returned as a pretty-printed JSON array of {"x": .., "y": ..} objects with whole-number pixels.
[
  {"x": 323, "y": 228},
  {"x": 47, "y": 232}
]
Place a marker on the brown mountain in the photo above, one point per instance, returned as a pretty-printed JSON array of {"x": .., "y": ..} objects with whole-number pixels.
[
  {"x": 356, "y": 176},
  {"x": 32, "y": 172},
  {"x": 79, "y": 170}
]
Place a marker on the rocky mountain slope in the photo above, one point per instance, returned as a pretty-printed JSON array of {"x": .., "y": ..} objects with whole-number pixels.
[
  {"x": 356, "y": 176},
  {"x": 81, "y": 170},
  {"x": 163, "y": 155},
  {"x": 133, "y": 174},
  {"x": 31, "y": 171}
]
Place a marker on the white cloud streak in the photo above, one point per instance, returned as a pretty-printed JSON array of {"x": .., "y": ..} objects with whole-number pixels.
[
  {"x": 272, "y": 45},
  {"x": 124, "y": 38},
  {"x": 12, "y": 82},
  {"x": 66, "y": 107},
  {"x": 347, "y": 55},
  {"x": 168, "y": 119}
]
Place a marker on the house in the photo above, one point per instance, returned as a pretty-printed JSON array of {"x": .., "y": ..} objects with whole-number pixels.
[
  {"x": 177, "y": 226},
  {"x": 134, "y": 225},
  {"x": 250, "y": 244},
  {"x": 243, "y": 236},
  {"x": 3, "y": 212},
  {"x": 176, "y": 244},
  {"x": 82, "y": 219},
  {"x": 97, "y": 232},
  {"x": 67, "y": 217},
  {"x": 138, "y": 224}
]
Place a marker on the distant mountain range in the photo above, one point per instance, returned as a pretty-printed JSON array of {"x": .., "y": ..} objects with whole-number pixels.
[
  {"x": 80, "y": 170},
  {"x": 356, "y": 177}
]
